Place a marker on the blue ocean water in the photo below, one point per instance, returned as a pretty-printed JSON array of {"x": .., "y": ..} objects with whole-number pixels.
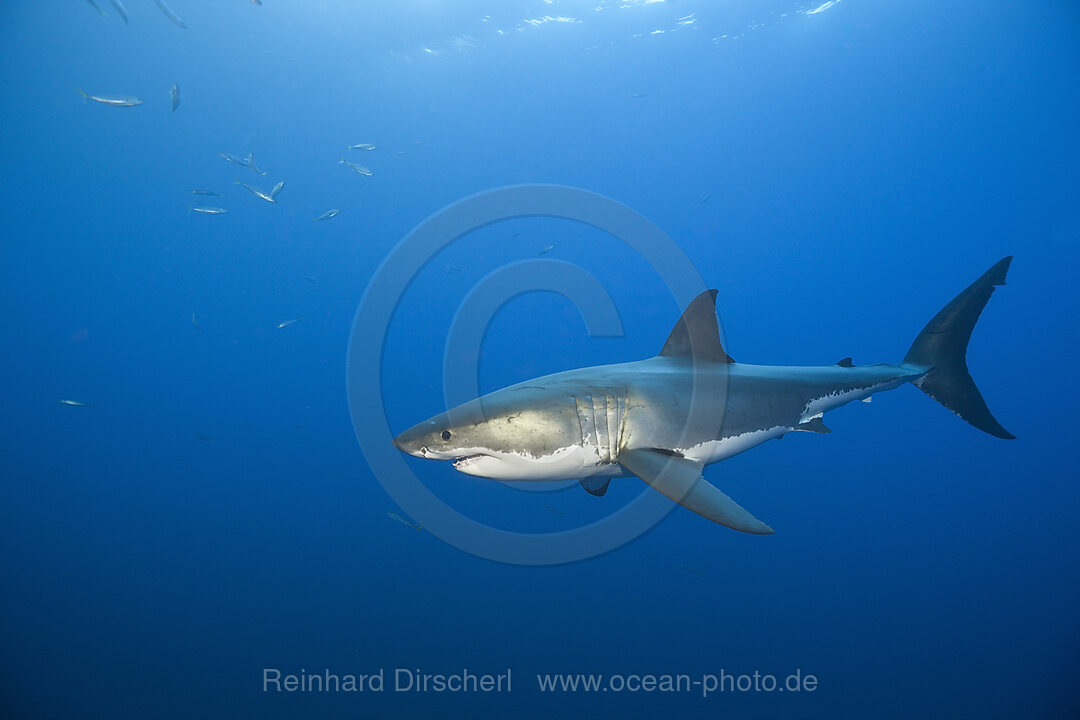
[{"x": 837, "y": 170}]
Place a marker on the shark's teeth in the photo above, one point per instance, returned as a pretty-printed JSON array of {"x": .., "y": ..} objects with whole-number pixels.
[{"x": 466, "y": 461}]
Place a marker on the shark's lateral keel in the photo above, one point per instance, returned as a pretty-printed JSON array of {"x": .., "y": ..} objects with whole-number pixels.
[{"x": 664, "y": 418}]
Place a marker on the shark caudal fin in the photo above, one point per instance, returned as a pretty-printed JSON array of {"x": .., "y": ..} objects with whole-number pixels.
[{"x": 941, "y": 350}]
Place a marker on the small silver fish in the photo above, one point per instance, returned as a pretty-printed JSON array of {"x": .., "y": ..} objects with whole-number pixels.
[
  {"x": 204, "y": 438},
  {"x": 327, "y": 215},
  {"x": 287, "y": 323},
  {"x": 356, "y": 168},
  {"x": 451, "y": 269},
  {"x": 704, "y": 198},
  {"x": 76, "y": 403},
  {"x": 170, "y": 14},
  {"x": 195, "y": 321},
  {"x": 277, "y": 189},
  {"x": 545, "y": 251},
  {"x": 256, "y": 192},
  {"x": 250, "y": 162},
  {"x": 208, "y": 210},
  {"x": 174, "y": 96},
  {"x": 204, "y": 192},
  {"x": 691, "y": 569},
  {"x": 233, "y": 160},
  {"x": 114, "y": 100},
  {"x": 404, "y": 521},
  {"x": 120, "y": 9},
  {"x": 362, "y": 146}
]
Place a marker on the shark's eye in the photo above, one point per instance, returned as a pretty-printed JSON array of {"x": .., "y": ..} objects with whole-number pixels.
[{"x": 445, "y": 434}]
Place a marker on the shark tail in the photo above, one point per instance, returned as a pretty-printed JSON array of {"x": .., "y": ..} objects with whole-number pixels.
[{"x": 940, "y": 351}]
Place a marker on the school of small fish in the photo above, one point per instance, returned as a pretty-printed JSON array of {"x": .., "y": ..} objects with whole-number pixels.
[
  {"x": 271, "y": 196},
  {"x": 248, "y": 161}
]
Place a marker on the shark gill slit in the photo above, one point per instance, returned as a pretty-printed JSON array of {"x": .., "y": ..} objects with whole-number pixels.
[
  {"x": 600, "y": 420},
  {"x": 623, "y": 404},
  {"x": 584, "y": 413}
]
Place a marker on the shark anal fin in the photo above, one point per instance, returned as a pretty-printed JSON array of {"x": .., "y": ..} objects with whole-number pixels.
[
  {"x": 595, "y": 486},
  {"x": 814, "y": 425},
  {"x": 680, "y": 480},
  {"x": 846, "y": 362}
]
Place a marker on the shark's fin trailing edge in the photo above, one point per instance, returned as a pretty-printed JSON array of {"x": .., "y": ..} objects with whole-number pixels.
[
  {"x": 697, "y": 334},
  {"x": 680, "y": 480},
  {"x": 941, "y": 351}
]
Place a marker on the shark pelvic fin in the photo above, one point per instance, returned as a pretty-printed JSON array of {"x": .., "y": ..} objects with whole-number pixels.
[
  {"x": 697, "y": 334},
  {"x": 595, "y": 486},
  {"x": 680, "y": 480},
  {"x": 814, "y": 425}
]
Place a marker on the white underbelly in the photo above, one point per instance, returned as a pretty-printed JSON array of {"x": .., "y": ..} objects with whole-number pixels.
[
  {"x": 569, "y": 463},
  {"x": 717, "y": 450},
  {"x": 834, "y": 400}
]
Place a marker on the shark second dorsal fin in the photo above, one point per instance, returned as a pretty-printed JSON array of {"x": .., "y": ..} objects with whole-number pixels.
[{"x": 697, "y": 334}]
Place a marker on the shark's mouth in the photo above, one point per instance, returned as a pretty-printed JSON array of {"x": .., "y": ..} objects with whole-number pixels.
[
  {"x": 562, "y": 464},
  {"x": 464, "y": 463}
]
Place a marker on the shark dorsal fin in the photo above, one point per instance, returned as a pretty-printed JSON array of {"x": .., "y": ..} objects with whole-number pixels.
[{"x": 697, "y": 334}]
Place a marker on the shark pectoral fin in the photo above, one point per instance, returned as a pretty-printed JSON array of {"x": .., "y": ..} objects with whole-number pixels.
[
  {"x": 680, "y": 480},
  {"x": 595, "y": 486},
  {"x": 814, "y": 424}
]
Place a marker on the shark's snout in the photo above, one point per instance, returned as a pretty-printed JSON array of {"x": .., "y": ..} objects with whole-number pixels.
[{"x": 411, "y": 443}]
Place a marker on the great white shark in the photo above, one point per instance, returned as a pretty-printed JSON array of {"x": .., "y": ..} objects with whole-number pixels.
[{"x": 665, "y": 418}]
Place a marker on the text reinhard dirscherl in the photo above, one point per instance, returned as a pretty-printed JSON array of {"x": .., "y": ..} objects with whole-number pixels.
[{"x": 401, "y": 680}]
